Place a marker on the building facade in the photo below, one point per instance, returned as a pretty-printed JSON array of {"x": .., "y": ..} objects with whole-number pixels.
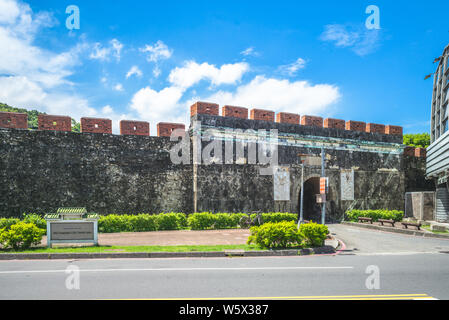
[{"x": 437, "y": 166}]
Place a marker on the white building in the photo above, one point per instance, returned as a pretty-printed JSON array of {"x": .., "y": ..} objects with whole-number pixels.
[{"x": 437, "y": 166}]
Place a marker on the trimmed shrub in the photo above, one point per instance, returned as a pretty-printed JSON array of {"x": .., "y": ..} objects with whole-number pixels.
[
  {"x": 182, "y": 220},
  {"x": 235, "y": 219},
  {"x": 114, "y": 223},
  {"x": 222, "y": 221},
  {"x": 396, "y": 215},
  {"x": 276, "y": 217},
  {"x": 168, "y": 221},
  {"x": 275, "y": 235},
  {"x": 36, "y": 219},
  {"x": 8, "y": 222},
  {"x": 21, "y": 236},
  {"x": 143, "y": 222},
  {"x": 201, "y": 220},
  {"x": 313, "y": 234}
]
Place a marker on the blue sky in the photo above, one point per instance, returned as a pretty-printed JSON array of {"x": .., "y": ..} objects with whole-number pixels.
[{"x": 150, "y": 60}]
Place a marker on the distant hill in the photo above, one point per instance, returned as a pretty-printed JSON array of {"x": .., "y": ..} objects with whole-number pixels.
[{"x": 32, "y": 116}]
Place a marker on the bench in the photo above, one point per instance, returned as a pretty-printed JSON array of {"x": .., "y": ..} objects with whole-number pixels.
[
  {"x": 406, "y": 224},
  {"x": 382, "y": 221},
  {"x": 362, "y": 219}
]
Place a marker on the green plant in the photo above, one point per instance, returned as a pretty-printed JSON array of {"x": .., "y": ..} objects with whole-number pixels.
[
  {"x": 168, "y": 221},
  {"x": 37, "y": 219},
  {"x": 396, "y": 215},
  {"x": 142, "y": 222},
  {"x": 114, "y": 223},
  {"x": 417, "y": 140},
  {"x": 8, "y": 222},
  {"x": 276, "y": 217},
  {"x": 21, "y": 236},
  {"x": 275, "y": 235},
  {"x": 201, "y": 220},
  {"x": 313, "y": 234}
]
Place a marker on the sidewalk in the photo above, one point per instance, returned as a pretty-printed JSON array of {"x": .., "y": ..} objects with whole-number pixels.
[{"x": 172, "y": 238}]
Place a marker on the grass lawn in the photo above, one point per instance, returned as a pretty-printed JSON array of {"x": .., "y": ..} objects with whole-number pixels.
[
  {"x": 427, "y": 227},
  {"x": 112, "y": 249}
]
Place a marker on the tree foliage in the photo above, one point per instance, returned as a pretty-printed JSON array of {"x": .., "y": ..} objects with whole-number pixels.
[
  {"x": 417, "y": 140},
  {"x": 32, "y": 116}
]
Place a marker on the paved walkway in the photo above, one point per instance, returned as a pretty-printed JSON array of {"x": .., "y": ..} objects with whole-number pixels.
[
  {"x": 173, "y": 238},
  {"x": 367, "y": 241}
]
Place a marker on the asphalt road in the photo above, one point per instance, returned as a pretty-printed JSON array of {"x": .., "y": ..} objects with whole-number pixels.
[{"x": 408, "y": 267}]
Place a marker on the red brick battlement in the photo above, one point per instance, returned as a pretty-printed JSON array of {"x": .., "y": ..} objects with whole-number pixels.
[
  {"x": 96, "y": 125},
  {"x": 134, "y": 128},
  {"x": 165, "y": 129},
  {"x": 54, "y": 123},
  {"x": 13, "y": 120}
]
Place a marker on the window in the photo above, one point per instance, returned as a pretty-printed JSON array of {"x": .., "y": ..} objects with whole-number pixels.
[{"x": 444, "y": 126}]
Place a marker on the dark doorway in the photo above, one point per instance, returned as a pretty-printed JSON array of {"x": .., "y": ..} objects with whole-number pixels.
[{"x": 312, "y": 210}]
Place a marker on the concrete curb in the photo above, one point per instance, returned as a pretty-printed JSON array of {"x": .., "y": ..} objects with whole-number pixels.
[
  {"x": 326, "y": 249},
  {"x": 417, "y": 233}
]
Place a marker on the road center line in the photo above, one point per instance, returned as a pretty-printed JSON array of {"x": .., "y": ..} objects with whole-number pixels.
[{"x": 177, "y": 269}]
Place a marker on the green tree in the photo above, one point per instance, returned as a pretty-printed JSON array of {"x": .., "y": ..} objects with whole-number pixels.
[
  {"x": 33, "y": 115},
  {"x": 417, "y": 140}
]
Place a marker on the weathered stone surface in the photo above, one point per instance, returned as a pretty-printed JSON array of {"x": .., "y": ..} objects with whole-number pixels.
[{"x": 43, "y": 170}]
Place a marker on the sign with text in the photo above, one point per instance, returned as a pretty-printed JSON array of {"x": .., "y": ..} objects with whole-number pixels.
[
  {"x": 347, "y": 184},
  {"x": 75, "y": 231},
  {"x": 323, "y": 185},
  {"x": 281, "y": 180}
]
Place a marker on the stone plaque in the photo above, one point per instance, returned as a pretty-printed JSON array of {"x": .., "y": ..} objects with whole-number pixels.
[
  {"x": 72, "y": 231},
  {"x": 347, "y": 184},
  {"x": 281, "y": 181}
]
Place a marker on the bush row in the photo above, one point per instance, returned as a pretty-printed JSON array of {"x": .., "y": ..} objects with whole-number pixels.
[
  {"x": 285, "y": 234},
  {"x": 164, "y": 221},
  {"x": 396, "y": 215},
  {"x": 178, "y": 221}
]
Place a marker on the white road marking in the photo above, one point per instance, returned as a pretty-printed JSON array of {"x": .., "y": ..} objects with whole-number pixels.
[{"x": 176, "y": 269}]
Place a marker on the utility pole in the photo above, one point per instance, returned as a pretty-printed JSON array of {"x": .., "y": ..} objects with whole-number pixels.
[
  {"x": 323, "y": 208},
  {"x": 301, "y": 215}
]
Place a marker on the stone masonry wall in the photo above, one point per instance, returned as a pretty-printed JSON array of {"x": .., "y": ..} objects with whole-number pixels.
[{"x": 43, "y": 170}]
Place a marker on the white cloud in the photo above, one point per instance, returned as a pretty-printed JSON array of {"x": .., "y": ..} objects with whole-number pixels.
[
  {"x": 292, "y": 68},
  {"x": 192, "y": 73},
  {"x": 103, "y": 53},
  {"x": 157, "y": 71},
  {"x": 250, "y": 52},
  {"x": 118, "y": 87},
  {"x": 156, "y": 52},
  {"x": 159, "y": 106},
  {"x": 134, "y": 71},
  {"x": 33, "y": 77},
  {"x": 361, "y": 40},
  {"x": 281, "y": 95}
]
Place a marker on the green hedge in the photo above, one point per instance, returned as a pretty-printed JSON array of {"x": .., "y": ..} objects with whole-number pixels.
[
  {"x": 141, "y": 222},
  {"x": 20, "y": 236},
  {"x": 285, "y": 234},
  {"x": 276, "y": 217},
  {"x": 396, "y": 215},
  {"x": 8, "y": 222}
]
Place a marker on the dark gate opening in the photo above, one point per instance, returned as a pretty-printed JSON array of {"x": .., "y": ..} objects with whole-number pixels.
[{"x": 312, "y": 209}]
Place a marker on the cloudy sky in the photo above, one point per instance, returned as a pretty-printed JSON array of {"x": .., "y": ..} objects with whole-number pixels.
[{"x": 150, "y": 60}]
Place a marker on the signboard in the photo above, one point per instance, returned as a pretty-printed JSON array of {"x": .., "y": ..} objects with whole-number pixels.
[
  {"x": 281, "y": 180},
  {"x": 347, "y": 184},
  {"x": 320, "y": 198},
  {"x": 323, "y": 185},
  {"x": 72, "y": 231}
]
